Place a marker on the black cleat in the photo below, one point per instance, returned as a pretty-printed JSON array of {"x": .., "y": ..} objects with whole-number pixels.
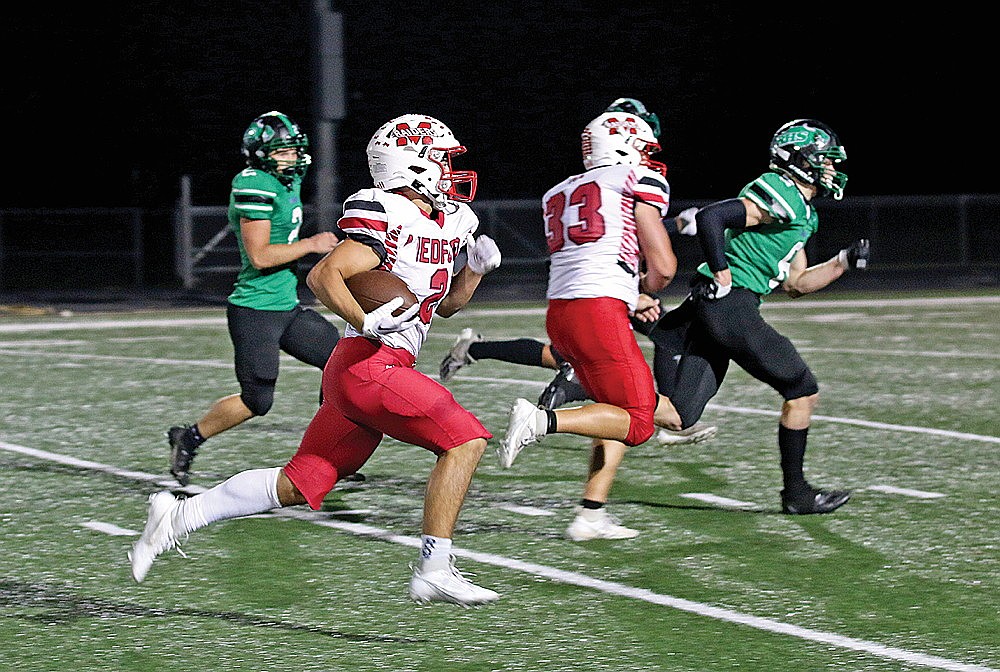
[
  {"x": 183, "y": 448},
  {"x": 356, "y": 477},
  {"x": 813, "y": 501},
  {"x": 563, "y": 389}
]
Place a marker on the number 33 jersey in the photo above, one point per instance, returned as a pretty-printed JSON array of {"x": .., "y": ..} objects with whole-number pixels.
[
  {"x": 418, "y": 248},
  {"x": 591, "y": 231}
]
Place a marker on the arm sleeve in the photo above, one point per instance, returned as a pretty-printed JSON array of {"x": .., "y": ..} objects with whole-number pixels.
[
  {"x": 713, "y": 220},
  {"x": 371, "y": 241}
]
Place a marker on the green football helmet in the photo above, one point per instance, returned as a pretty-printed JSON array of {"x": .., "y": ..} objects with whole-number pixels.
[
  {"x": 800, "y": 150},
  {"x": 270, "y": 132},
  {"x": 633, "y": 106}
]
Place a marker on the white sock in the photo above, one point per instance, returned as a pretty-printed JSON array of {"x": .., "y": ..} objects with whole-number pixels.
[
  {"x": 244, "y": 494},
  {"x": 435, "y": 553},
  {"x": 541, "y": 422},
  {"x": 592, "y": 515}
]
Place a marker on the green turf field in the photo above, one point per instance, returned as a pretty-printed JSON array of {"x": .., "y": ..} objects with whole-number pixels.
[{"x": 906, "y": 576}]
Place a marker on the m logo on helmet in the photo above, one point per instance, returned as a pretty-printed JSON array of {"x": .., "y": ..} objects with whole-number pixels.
[
  {"x": 415, "y": 151},
  {"x": 423, "y": 134},
  {"x": 623, "y": 126}
]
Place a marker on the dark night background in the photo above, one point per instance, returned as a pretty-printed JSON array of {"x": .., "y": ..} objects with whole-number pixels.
[{"x": 109, "y": 106}]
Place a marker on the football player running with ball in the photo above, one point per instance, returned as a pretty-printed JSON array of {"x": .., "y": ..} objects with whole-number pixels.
[
  {"x": 412, "y": 224},
  {"x": 606, "y": 242},
  {"x": 754, "y": 244}
]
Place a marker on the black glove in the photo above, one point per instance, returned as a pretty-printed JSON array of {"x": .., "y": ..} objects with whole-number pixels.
[{"x": 856, "y": 256}]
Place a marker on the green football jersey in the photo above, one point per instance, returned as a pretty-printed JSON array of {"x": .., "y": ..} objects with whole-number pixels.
[
  {"x": 760, "y": 256},
  {"x": 259, "y": 195}
]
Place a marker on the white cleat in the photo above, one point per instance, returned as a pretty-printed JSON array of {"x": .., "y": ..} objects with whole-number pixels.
[
  {"x": 521, "y": 430},
  {"x": 448, "y": 585},
  {"x": 158, "y": 535},
  {"x": 458, "y": 356},
  {"x": 696, "y": 433},
  {"x": 603, "y": 526}
]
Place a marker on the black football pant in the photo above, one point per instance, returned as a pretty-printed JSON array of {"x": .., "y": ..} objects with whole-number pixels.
[
  {"x": 258, "y": 338},
  {"x": 696, "y": 341}
]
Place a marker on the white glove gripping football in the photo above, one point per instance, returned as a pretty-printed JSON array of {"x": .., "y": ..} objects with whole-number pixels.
[
  {"x": 381, "y": 321},
  {"x": 688, "y": 225},
  {"x": 484, "y": 255}
]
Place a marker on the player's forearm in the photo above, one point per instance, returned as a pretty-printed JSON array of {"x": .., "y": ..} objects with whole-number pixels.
[
  {"x": 463, "y": 286},
  {"x": 272, "y": 254},
  {"x": 327, "y": 283},
  {"x": 814, "y": 278}
]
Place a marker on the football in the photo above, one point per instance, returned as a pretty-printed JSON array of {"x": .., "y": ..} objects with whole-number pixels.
[{"x": 373, "y": 288}]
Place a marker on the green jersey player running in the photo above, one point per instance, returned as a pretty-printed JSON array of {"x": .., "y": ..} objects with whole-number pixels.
[
  {"x": 263, "y": 312},
  {"x": 753, "y": 245}
]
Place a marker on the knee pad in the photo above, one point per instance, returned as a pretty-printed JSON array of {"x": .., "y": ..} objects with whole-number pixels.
[
  {"x": 258, "y": 396},
  {"x": 640, "y": 428},
  {"x": 804, "y": 385},
  {"x": 313, "y": 476}
]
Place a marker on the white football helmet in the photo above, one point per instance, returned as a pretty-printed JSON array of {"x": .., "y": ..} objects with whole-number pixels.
[
  {"x": 415, "y": 151},
  {"x": 620, "y": 138}
]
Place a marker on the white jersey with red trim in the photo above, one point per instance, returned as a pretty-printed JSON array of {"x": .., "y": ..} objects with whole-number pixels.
[
  {"x": 591, "y": 231},
  {"x": 413, "y": 246}
]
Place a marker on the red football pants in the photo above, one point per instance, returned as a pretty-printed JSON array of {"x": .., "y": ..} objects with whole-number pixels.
[
  {"x": 596, "y": 337},
  {"x": 370, "y": 390}
]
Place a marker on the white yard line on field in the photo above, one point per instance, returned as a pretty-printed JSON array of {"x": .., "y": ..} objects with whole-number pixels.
[
  {"x": 908, "y": 492},
  {"x": 67, "y": 324},
  {"x": 761, "y": 411},
  {"x": 287, "y": 361},
  {"x": 292, "y": 365},
  {"x": 724, "y": 502},
  {"x": 866, "y": 423},
  {"x": 116, "y": 358},
  {"x": 525, "y": 510},
  {"x": 563, "y": 576},
  {"x": 868, "y": 352},
  {"x": 87, "y": 325},
  {"x": 109, "y": 528}
]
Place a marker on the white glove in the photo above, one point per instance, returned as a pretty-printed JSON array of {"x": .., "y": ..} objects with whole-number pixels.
[
  {"x": 380, "y": 321},
  {"x": 718, "y": 291},
  {"x": 713, "y": 290},
  {"x": 484, "y": 255},
  {"x": 855, "y": 256},
  {"x": 686, "y": 220}
]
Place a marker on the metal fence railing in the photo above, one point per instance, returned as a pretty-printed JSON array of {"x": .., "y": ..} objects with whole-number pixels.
[
  {"x": 906, "y": 231},
  {"x": 68, "y": 247},
  {"x": 82, "y": 247}
]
